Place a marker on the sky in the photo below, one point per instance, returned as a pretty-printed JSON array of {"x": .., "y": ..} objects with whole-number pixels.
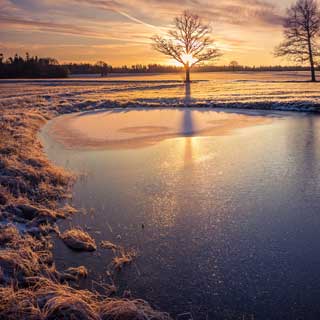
[{"x": 119, "y": 32}]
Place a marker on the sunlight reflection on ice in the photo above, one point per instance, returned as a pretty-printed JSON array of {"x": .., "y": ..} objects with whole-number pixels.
[{"x": 135, "y": 128}]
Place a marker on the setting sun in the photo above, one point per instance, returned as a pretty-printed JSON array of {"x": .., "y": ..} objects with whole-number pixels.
[{"x": 188, "y": 59}]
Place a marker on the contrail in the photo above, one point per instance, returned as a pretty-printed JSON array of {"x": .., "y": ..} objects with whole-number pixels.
[
  {"x": 133, "y": 18},
  {"x": 112, "y": 5}
]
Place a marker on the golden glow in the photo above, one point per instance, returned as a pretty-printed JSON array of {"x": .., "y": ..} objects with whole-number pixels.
[
  {"x": 173, "y": 62},
  {"x": 188, "y": 59},
  {"x": 188, "y": 151},
  {"x": 139, "y": 128},
  {"x": 119, "y": 32}
]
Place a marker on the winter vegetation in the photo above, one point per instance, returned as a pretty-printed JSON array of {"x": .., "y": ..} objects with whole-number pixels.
[
  {"x": 31, "y": 67},
  {"x": 79, "y": 240},
  {"x": 31, "y": 189}
]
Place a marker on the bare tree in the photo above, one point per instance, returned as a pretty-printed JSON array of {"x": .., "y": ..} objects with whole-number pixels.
[
  {"x": 188, "y": 43},
  {"x": 301, "y": 31},
  {"x": 103, "y": 68},
  {"x": 234, "y": 65}
]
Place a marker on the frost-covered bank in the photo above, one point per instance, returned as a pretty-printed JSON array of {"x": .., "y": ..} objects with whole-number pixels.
[{"x": 31, "y": 189}]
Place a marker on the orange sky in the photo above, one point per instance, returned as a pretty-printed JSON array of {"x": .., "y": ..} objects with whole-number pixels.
[{"x": 119, "y": 32}]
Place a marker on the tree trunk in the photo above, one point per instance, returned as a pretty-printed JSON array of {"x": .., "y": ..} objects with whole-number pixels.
[
  {"x": 187, "y": 73},
  {"x": 312, "y": 69},
  {"x": 313, "y": 73}
]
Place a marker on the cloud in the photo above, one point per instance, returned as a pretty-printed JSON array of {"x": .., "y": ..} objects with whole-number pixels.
[
  {"x": 155, "y": 13},
  {"x": 248, "y": 12},
  {"x": 238, "y": 25},
  {"x": 27, "y": 25}
]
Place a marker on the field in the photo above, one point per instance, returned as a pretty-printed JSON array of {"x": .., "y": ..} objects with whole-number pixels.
[{"x": 277, "y": 91}]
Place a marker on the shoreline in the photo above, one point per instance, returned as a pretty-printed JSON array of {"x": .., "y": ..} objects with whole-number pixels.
[
  {"x": 304, "y": 107},
  {"x": 31, "y": 191}
]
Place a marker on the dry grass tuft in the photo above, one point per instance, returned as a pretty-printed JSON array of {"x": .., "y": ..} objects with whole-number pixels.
[
  {"x": 8, "y": 234},
  {"x": 17, "y": 265},
  {"x": 124, "y": 309},
  {"x": 22, "y": 257},
  {"x": 76, "y": 273},
  {"x": 66, "y": 306},
  {"x": 25, "y": 172},
  {"x": 108, "y": 245},
  {"x": 77, "y": 239},
  {"x": 4, "y": 196},
  {"x": 48, "y": 300},
  {"x": 125, "y": 257},
  {"x": 19, "y": 304},
  {"x": 69, "y": 210}
]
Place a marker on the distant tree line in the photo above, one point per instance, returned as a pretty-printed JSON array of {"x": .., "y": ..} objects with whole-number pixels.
[
  {"x": 35, "y": 67},
  {"x": 100, "y": 67},
  {"x": 241, "y": 68},
  {"x": 86, "y": 68},
  {"x": 104, "y": 69},
  {"x": 31, "y": 67}
]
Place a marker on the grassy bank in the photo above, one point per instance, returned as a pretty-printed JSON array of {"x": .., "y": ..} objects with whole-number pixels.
[{"x": 31, "y": 193}]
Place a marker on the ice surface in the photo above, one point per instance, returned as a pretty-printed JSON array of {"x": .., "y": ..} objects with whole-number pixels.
[{"x": 137, "y": 127}]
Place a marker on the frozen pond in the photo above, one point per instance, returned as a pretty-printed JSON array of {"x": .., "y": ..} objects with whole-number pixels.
[{"x": 229, "y": 203}]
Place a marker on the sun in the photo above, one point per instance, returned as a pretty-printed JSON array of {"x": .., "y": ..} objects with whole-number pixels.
[{"x": 188, "y": 59}]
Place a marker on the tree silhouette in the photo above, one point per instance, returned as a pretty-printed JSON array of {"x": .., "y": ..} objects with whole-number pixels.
[
  {"x": 31, "y": 67},
  {"x": 234, "y": 65},
  {"x": 301, "y": 30},
  {"x": 103, "y": 66},
  {"x": 188, "y": 43}
]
